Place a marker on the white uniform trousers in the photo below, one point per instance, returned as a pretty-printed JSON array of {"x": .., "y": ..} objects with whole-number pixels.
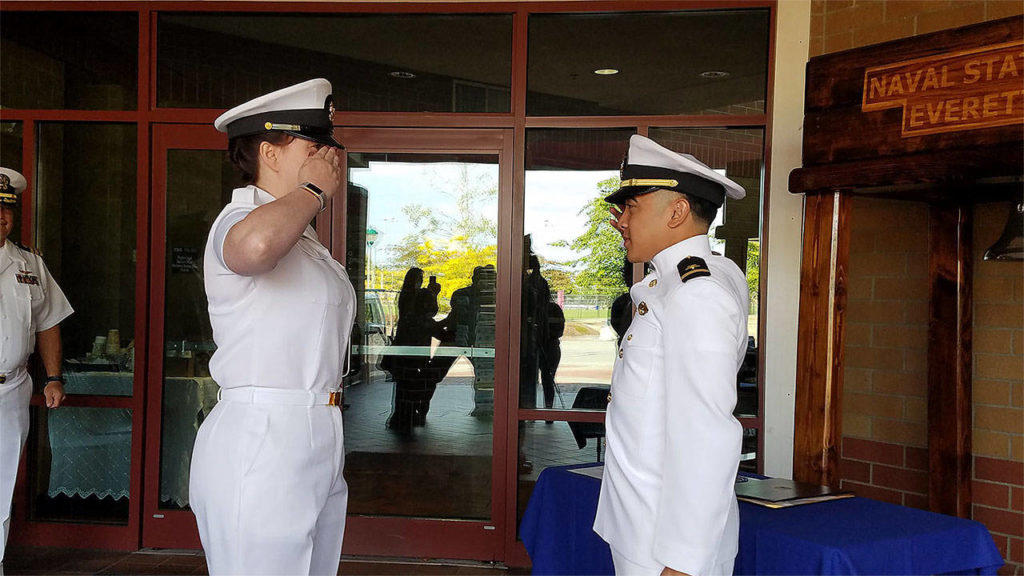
[
  {"x": 626, "y": 567},
  {"x": 267, "y": 490},
  {"x": 15, "y": 395}
]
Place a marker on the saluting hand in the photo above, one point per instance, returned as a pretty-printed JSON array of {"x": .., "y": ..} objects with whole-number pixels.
[
  {"x": 54, "y": 394},
  {"x": 616, "y": 214},
  {"x": 323, "y": 168}
]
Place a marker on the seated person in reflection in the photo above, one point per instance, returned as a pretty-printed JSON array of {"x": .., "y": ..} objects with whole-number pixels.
[
  {"x": 414, "y": 375},
  {"x": 667, "y": 503},
  {"x": 32, "y": 307}
]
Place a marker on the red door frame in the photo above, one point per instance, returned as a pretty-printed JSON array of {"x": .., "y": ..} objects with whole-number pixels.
[
  {"x": 163, "y": 528},
  {"x": 365, "y": 535}
]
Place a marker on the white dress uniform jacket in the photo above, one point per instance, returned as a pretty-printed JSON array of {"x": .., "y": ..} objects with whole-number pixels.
[
  {"x": 30, "y": 302},
  {"x": 266, "y": 481},
  {"x": 673, "y": 445}
]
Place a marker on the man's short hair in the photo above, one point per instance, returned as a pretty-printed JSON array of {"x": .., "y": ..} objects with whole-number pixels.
[{"x": 702, "y": 209}]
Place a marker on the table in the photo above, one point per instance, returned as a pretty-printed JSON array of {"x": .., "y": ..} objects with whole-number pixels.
[
  {"x": 850, "y": 536},
  {"x": 91, "y": 447}
]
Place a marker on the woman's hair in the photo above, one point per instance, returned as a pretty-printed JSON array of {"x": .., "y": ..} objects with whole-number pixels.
[
  {"x": 244, "y": 152},
  {"x": 413, "y": 281}
]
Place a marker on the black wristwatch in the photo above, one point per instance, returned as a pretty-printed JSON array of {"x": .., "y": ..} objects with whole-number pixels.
[
  {"x": 317, "y": 193},
  {"x": 54, "y": 379}
]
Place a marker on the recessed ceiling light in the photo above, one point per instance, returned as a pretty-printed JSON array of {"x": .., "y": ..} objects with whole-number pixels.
[
  {"x": 401, "y": 74},
  {"x": 713, "y": 74},
  {"x": 606, "y": 71}
]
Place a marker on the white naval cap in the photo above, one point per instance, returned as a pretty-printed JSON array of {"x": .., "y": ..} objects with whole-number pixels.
[
  {"x": 305, "y": 110},
  {"x": 649, "y": 166},
  {"x": 12, "y": 184}
]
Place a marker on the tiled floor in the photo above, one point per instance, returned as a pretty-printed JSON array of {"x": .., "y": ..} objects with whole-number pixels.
[{"x": 63, "y": 561}]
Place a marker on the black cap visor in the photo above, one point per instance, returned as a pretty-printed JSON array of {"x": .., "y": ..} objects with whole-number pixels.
[
  {"x": 308, "y": 124},
  {"x": 327, "y": 139},
  {"x": 686, "y": 183}
]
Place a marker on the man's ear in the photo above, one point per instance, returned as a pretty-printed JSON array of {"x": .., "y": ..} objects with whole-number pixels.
[
  {"x": 267, "y": 153},
  {"x": 680, "y": 211}
]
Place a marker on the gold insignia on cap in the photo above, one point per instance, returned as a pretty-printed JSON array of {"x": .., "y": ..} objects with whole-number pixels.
[
  {"x": 653, "y": 283},
  {"x": 660, "y": 182},
  {"x": 642, "y": 308},
  {"x": 5, "y": 182},
  {"x": 270, "y": 126},
  {"x": 330, "y": 113}
]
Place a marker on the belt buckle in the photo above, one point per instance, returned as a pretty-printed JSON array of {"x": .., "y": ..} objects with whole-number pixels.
[
  {"x": 334, "y": 399},
  {"x": 3, "y": 378}
]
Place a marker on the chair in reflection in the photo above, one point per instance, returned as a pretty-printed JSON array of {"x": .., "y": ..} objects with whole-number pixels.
[{"x": 592, "y": 398}]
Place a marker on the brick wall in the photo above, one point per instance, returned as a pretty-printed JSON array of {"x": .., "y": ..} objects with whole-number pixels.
[
  {"x": 885, "y": 421},
  {"x": 843, "y": 24},
  {"x": 998, "y": 390}
]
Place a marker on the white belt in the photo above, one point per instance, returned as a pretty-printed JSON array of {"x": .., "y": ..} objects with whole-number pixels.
[{"x": 255, "y": 395}]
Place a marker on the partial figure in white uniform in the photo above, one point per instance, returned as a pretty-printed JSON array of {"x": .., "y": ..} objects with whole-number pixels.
[
  {"x": 266, "y": 481},
  {"x": 31, "y": 309},
  {"x": 667, "y": 503}
]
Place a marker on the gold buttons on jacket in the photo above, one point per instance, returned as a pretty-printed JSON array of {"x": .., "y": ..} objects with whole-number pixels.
[
  {"x": 630, "y": 337},
  {"x": 620, "y": 352},
  {"x": 609, "y": 396},
  {"x": 642, "y": 308},
  {"x": 653, "y": 283}
]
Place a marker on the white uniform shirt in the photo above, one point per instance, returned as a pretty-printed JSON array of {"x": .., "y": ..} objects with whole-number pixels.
[
  {"x": 673, "y": 445},
  {"x": 286, "y": 328},
  {"x": 30, "y": 302}
]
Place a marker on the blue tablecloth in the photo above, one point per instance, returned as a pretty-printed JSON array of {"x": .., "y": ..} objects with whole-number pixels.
[{"x": 851, "y": 536}]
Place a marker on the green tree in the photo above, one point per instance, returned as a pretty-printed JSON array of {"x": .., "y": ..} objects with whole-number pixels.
[
  {"x": 467, "y": 226},
  {"x": 600, "y": 246},
  {"x": 753, "y": 271}
]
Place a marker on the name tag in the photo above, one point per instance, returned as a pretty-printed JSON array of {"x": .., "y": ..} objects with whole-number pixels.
[{"x": 27, "y": 277}]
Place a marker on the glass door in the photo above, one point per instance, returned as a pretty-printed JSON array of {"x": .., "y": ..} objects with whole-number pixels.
[
  {"x": 425, "y": 431},
  {"x": 192, "y": 181},
  {"x": 425, "y": 452}
]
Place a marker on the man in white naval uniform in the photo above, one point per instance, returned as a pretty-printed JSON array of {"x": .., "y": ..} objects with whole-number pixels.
[
  {"x": 667, "y": 501},
  {"x": 31, "y": 309}
]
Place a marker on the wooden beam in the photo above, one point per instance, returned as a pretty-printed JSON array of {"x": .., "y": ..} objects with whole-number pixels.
[
  {"x": 823, "y": 282},
  {"x": 949, "y": 359}
]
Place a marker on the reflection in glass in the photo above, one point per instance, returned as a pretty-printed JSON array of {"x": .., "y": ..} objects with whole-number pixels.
[
  {"x": 548, "y": 444},
  {"x": 422, "y": 251},
  {"x": 736, "y": 233},
  {"x": 382, "y": 63},
  {"x": 199, "y": 184},
  {"x": 692, "y": 62},
  {"x": 69, "y": 60},
  {"x": 574, "y": 271},
  {"x": 85, "y": 192},
  {"x": 80, "y": 464}
]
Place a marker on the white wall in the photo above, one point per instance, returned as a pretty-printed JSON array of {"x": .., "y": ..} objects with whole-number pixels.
[{"x": 784, "y": 225}]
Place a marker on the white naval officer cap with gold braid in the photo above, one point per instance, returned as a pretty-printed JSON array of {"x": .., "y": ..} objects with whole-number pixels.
[{"x": 12, "y": 184}]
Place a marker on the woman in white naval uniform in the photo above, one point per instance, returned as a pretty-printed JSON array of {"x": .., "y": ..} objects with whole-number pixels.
[
  {"x": 667, "y": 503},
  {"x": 31, "y": 309},
  {"x": 266, "y": 481}
]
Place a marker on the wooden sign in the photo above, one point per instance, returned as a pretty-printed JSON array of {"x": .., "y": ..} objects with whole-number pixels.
[{"x": 951, "y": 92}]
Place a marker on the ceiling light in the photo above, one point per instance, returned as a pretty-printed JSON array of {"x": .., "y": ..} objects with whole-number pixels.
[
  {"x": 714, "y": 74},
  {"x": 401, "y": 74},
  {"x": 606, "y": 71}
]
